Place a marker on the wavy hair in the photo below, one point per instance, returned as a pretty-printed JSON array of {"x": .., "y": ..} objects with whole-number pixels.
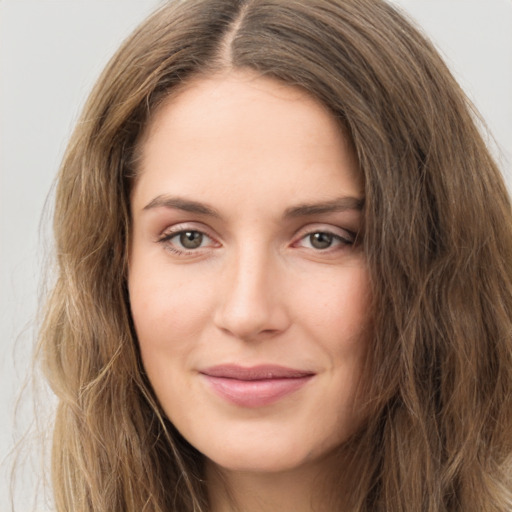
[{"x": 438, "y": 242}]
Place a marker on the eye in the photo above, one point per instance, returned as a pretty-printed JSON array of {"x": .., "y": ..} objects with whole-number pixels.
[
  {"x": 321, "y": 240},
  {"x": 185, "y": 241},
  {"x": 189, "y": 239},
  {"x": 324, "y": 240}
]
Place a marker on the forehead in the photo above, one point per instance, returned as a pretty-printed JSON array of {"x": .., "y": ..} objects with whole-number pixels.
[{"x": 241, "y": 134}]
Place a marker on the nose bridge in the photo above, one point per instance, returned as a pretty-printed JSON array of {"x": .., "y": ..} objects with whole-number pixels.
[{"x": 250, "y": 304}]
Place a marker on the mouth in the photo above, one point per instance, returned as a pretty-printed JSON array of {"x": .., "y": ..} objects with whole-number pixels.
[{"x": 255, "y": 386}]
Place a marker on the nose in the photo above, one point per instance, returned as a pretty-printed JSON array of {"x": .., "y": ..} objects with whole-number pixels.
[{"x": 252, "y": 302}]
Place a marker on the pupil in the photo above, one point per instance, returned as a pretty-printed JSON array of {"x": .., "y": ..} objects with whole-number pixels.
[
  {"x": 191, "y": 239},
  {"x": 321, "y": 240}
]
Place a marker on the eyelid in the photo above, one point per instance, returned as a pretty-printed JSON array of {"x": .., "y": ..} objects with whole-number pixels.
[
  {"x": 339, "y": 232},
  {"x": 184, "y": 226},
  {"x": 171, "y": 231}
]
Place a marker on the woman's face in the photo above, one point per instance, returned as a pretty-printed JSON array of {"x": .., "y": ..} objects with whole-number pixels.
[{"x": 248, "y": 288}]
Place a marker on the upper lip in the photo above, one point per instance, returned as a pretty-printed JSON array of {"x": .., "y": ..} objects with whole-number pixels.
[{"x": 260, "y": 372}]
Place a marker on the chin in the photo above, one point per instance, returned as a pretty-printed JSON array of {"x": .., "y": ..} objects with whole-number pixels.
[
  {"x": 259, "y": 463},
  {"x": 268, "y": 456}
]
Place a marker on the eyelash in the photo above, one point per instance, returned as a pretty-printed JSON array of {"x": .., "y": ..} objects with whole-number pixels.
[
  {"x": 342, "y": 241},
  {"x": 177, "y": 232}
]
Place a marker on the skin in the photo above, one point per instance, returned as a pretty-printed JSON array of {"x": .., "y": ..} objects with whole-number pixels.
[{"x": 258, "y": 288}]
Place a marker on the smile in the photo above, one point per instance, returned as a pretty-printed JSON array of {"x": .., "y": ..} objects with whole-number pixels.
[{"x": 256, "y": 386}]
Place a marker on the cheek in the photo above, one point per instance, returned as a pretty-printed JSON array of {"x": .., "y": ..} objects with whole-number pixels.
[
  {"x": 169, "y": 314},
  {"x": 337, "y": 309},
  {"x": 168, "y": 310}
]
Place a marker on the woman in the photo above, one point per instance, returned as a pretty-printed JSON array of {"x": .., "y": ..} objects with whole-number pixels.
[{"x": 284, "y": 272}]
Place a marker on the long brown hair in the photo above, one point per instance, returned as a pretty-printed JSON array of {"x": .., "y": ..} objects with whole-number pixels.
[{"x": 438, "y": 242}]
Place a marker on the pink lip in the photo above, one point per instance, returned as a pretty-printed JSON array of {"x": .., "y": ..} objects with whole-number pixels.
[{"x": 256, "y": 386}]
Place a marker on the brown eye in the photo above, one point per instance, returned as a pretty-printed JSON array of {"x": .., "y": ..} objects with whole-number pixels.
[
  {"x": 321, "y": 240},
  {"x": 191, "y": 239}
]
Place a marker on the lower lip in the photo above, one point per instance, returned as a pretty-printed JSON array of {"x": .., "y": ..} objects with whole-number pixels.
[{"x": 255, "y": 393}]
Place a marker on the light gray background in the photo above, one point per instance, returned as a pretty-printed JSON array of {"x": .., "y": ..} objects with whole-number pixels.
[{"x": 51, "y": 51}]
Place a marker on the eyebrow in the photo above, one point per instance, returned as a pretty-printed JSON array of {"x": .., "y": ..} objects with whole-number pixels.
[
  {"x": 340, "y": 204},
  {"x": 180, "y": 203},
  {"x": 302, "y": 210}
]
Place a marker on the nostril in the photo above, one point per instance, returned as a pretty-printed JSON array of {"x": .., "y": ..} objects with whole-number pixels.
[
  {"x": 250, "y": 305},
  {"x": 251, "y": 322}
]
